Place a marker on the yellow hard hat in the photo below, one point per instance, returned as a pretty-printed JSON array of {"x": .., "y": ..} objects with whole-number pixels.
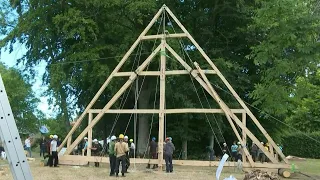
[
  {"x": 51, "y": 136},
  {"x": 121, "y": 136},
  {"x": 131, "y": 140}
]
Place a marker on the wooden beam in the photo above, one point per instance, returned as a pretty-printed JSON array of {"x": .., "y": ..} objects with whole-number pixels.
[
  {"x": 166, "y": 111},
  {"x": 123, "y": 74},
  {"x": 74, "y": 159},
  {"x": 157, "y": 73},
  {"x": 159, "y": 36},
  {"x": 89, "y": 136},
  {"x": 99, "y": 116},
  {"x": 105, "y": 84},
  {"x": 244, "y": 135},
  {"x": 239, "y": 123},
  {"x": 227, "y": 111},
  {"x": 113, "y": 99},
  {"x": 188, "y": 68},
  {"x": 255, "y": 120},
  {"x": 162, "y": 100}
]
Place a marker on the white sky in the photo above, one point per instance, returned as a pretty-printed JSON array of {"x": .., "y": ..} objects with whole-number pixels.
[{"x": 11, "y": 59}]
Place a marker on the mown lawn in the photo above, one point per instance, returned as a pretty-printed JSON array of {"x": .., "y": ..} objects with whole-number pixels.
[{"x": 309, "y": 166}]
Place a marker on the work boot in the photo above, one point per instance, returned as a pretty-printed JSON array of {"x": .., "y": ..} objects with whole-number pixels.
[
  {"x": 148, "y": 166},
  {"x": 117, "y": 175},
  {"x": 123, "y": 175}
]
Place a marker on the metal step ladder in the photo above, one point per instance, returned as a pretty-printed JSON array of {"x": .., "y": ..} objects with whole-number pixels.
[{"x": 9, "y": 136}]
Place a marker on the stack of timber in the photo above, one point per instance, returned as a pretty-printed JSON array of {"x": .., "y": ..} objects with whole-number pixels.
[{"x": 260, "y": 175}]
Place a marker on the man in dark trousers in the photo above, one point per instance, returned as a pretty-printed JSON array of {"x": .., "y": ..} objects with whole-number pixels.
[
  {"x": 112, "y": 156},
  {"x": 48, "y": 150},
  {"x": 95, "y": 149},
  {"x": 53, "y": 152},
  {"x": 125, "y": 139},
  {"x": 254, "y": 151},
  {"x": 153, "y": 149},
  {"x": 168, "y": 149},
  {"x": 121, "y": 148},
  {"x": 43, "y": 146}
]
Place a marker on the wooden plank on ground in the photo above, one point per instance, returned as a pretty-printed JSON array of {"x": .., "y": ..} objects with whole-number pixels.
[{"x": 83, "y": 159}]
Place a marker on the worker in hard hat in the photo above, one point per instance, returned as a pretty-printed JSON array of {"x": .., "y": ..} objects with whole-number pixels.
[
  {"x": 85, "y": 147},
  {"x": 239, "y": 152},
  {"x": 125, "y": 139},
  {"x": 168, "y": 150},
  {"x": 234, "y": 151},
  {"x": 95, "y": 149},
  {"x": 54, "y": 152},
  {"x": 120, "y": 149},
  {"x": 132, "y": 148},
  {"x": 224, "y": 148},
  {"x": 153, "y": 151},
  {"x": 112, "y": 156}
]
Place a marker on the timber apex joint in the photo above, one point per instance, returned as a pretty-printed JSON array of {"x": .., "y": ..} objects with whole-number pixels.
[{"x": 164, "y": 6}]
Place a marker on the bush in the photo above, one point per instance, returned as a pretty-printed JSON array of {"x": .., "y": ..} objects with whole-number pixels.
[{"x": 298, "y": 144}]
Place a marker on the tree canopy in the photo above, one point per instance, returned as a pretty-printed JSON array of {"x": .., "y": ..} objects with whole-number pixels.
[
  {"x": 264, "y": 48},
  {"x": 22, "y": 100}
]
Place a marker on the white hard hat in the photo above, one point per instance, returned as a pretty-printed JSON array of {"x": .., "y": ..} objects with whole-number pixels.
[
  {"x": 55, "y": 136},
  {"x": 113, "y": 138},
  {"x": 224, "y": 144},
  {"x": 262, "y": 143},
  {"x": 95, "y": 140},
  {"x": 126, "y": 137},
  {"x": 85, "y": 138}
]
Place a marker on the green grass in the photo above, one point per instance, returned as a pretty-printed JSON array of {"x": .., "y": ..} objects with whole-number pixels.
[{"x": 309, "y": 166}]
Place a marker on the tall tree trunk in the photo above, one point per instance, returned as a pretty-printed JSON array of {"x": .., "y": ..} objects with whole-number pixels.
[
  {"x": 143, "y": 120},
  {"x": 185, "y": 149},
  {"x": 211, "y": 141},
  {"x": 185, "y": 139},
  {"x": 64, "y": 108}
]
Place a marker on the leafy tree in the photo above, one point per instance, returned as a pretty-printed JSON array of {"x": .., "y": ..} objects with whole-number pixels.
[
  {"x": 22, "y": 99},
  {"x": 79, "y": 40},
  {"x": 286, "y": 33},
  {"x": 305, "y": 114}
]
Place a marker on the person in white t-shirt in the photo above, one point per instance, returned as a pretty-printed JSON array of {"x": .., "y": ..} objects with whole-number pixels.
[
  {"x": 132, "y": 148},
  {"x": 54, "y": 152},
  {"x": 27, "y": 146}
]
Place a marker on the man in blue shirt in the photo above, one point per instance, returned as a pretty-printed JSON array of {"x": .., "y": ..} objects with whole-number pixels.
[{"x": 234, "y": 150}]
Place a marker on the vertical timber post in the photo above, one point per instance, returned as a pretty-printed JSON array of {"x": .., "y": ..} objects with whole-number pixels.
[
  {"x": 89, "y": 136},
  {"x": 244, "y": 136},
  {"x": 162, "y": 96}
]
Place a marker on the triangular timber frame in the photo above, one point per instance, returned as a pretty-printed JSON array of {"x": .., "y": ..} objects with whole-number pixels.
[{"x": 200, "y": 76}]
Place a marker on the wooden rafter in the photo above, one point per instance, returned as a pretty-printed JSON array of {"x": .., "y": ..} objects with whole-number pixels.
[
  {"x": 105, "y": 84},
  {"x": 254, "y": 119},
  {"x": 157, "y": 73},
  {"x": 166, "y": 111},
  {"x": 198, "y": 74}
]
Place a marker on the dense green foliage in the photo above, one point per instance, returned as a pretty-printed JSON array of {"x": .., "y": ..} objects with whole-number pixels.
[
  {"x": 306, "y": 116},
  {"x": 298, "y": 144},
  {"x": 264, "y": 49},
  {"x": 22, "y": 99}
]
